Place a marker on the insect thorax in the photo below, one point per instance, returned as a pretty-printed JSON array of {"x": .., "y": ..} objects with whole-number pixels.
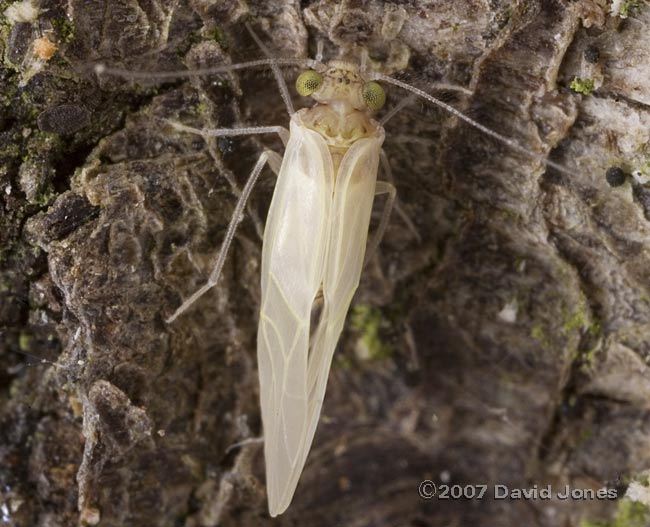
[{"x": 339, "y": 129}]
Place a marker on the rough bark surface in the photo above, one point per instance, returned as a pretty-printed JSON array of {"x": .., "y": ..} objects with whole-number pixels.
[{"x": 509, "y": 345}]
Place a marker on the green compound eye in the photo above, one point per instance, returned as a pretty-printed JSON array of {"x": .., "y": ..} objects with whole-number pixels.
[
  {"x": 373, "y": 95},
  {"x": 308, "y": 82}
]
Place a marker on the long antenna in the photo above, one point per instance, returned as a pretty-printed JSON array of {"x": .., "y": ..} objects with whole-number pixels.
[
  {"x": 39, "y": 360},
  {"x": 510, "y": 143},
  {"x": 103, "y": 69}
]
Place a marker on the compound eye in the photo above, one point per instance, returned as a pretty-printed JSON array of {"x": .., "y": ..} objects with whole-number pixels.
[
  {"x": 308, "y": 82},
  {"x": 373, "y": 95}
]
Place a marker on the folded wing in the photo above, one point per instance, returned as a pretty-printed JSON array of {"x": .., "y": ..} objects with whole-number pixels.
[
  {"x": 295, "y": 243},
  {"x": 316, "y": 235},
  {"x": 348, "y": 233},
  {"x": 353, "y": 198}
]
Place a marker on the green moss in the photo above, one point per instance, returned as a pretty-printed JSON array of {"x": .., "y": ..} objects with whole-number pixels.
[
  {"x": 4, "y": 24},
  {"x": 588, "y": 357},
  {"x": 537, "y": 332},
  {"x": 595, "y": 328},
  {"x": 24, "y": 342},
  {"x": 64, "y": 29},
  {"x": 627, "y": 5},
  {"x": 503, "y": 17},
  {"x": 584, "y": 437},
  {"x": 584, "y": 86},
  {"x": 219, "y": 37},
  {"x": 203, "y": 108},
  {"x": 13, "y": 149},
  {"x": 628, "y": 514},
  {"x": 643, "y": 478},
  {"x": 32, "y": 108},
  {"x": 368, "y": 321},
  {"x": 45, "y": 197},
  {"x": 575, "y": 321}
]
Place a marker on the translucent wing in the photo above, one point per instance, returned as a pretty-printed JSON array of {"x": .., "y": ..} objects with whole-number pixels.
[
  {"x": 353, "y": 197},
  {"x": 295, "y": 243},
  {"x": 349, "y": 221}
]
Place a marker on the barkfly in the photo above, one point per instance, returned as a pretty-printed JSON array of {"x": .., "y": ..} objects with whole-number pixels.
[{"x": 316, "y": 236}]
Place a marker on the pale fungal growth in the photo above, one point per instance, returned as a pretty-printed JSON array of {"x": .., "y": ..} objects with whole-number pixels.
[
  {"x": 90, "y": 516},
  {"x": 615, "y": 8},
  {"x": 44, "y": 48},
  {"x": 24, "y": 11},
  {"x": 509, "y": 312},
  {"x": 639, "y": 492},
  {"x": 641, "y": 176}
]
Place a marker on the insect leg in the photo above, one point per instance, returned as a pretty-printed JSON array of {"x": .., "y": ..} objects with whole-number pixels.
[
  {"x": 382, "y": 187},
  {"x": 385, "y": 166},
  {"x": 397, "y": 108},
  {"x": 274, "y": 160},
  {"x": 245, "y": 442},
  {"x": 232, "y": 132}
]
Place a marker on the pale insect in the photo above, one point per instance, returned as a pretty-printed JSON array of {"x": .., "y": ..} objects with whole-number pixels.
[
  {"x": 314, "y": 242},
  {"x": 315, "y": 239}
]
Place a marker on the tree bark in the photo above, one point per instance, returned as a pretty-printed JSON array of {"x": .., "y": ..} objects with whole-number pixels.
[{"x": 506, "y": 342}]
